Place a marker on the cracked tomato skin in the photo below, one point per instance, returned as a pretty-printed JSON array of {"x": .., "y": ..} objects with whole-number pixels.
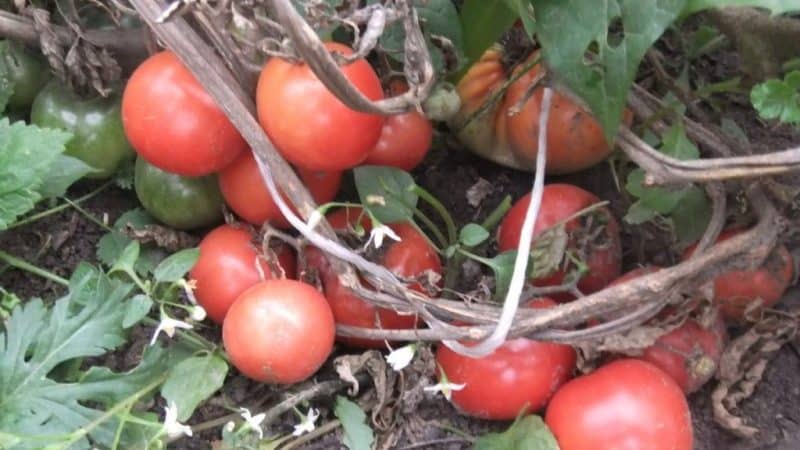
[
  {"x": 734, "y": 291},
  {"x": 279, "y": 331},
  {"x": 310, "y": 126},
  {"x": 627, "y": 404},
  {"x": 247, "y": 195},
  {"x": 228, "y": 265},
  {"x": 560, "y": 201},
  {"x": 520, "y": 374},
  {"x": 173, "y": 123}
]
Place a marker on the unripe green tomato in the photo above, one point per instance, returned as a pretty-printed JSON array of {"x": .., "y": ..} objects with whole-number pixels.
[
  {"x": 27, "y": 72},
  {"x": 181, "y": 202},
  {"x": 98, "y": 138}
]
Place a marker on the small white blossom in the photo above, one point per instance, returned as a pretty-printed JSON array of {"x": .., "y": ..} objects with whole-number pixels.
[
  {"x": 230, "y": 426},
  {"x": 314, "y": 219},
  {"x": 446, "y": 388},
  {"x": 168, "y": 326},
  {"x": 253, "y": 422},
  {"x": 378, "y": 233},
  {"x": 198, "y": 313},
  {"x": 172, "y": 427},
  {"x": 401, "y": 357},
  {"x": 189, "y": 287},
  {"x": 307, "y": 424},
  {"x": 373, "y": 199}
]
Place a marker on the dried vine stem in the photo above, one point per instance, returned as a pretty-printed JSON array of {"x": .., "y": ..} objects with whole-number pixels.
[
  {"x": 311, "y": 49},
  {"x": 128, "y": 45}
]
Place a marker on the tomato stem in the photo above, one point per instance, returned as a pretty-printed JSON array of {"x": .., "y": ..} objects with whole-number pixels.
[
  {"x": 59, "y": 208},
  {"x": 21, "y": 264},
  {"x": 433, "y": 228},
  {"x": 452, "y": 231}
]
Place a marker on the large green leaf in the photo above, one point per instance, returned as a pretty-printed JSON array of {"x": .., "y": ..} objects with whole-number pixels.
[
  {"x": 776, "y": 6},
  {"x": 616, "y": 33},
  {"x": 386, "y": 192},
  {"x": 357, "y": 433},
  {"x": 484, "y": 21},
  {"x": 27, "y": 153},
  {"x": 528, "y": 433},
  {"x": 85, "y": 323},
  {"x": 192, "y": 381}
]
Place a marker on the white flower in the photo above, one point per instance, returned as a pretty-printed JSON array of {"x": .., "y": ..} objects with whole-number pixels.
[
  {"x": 446, "y": 388},
  {"x": 307, "y": 424},
  {"x": 174, "y": 428},
  {"x": 253, "y": 422},
  {"x": 168, "y": 326},
  {"x": 314, "y": 219},
  {"x": 198, "y": 313},
  {"x": 401, "y": 357},
  {"x": 377, "y": 234},
  {"x": 230, "y": 426},
  {"x": 189, "y": 287}
]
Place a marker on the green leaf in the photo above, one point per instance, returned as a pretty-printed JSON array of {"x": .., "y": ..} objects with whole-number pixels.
[
  {"x": 776, "y": 6},
  {"x": 567, "y": 29},
  {"x": 65, "y": 171},
  {"x": 386, "y": 192},
  {"x": 27, "y": 154},
  {"x": 691, "y": 218},
  {"x": 778, "y": 99},
  {"x": 524, "y": 10},
  {"x": 6, "y": 88},
  {"x": 502, "y": 265},
  {"x": 136, "y": 309},
  {"x": 528, "y": 433},
  {"x": 472, "y": 234},
  {"x": 127, "y": 259},
  {"x": 110, "y": 246},
  {"x": 357, "y": 434},
  {"x": 638, "y": 214},
  {"x": 437, "y": 18},
  {"x": 176, "y": 265},
  {"x": 486, "y": 21},
  {"x": 192, "y": 381}
]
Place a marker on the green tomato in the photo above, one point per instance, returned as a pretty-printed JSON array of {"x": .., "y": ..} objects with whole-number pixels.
[
  {"x": 27, "y": 71},
  {"x": 98, "y": 138},
  {"x": 180, "y": 202}
]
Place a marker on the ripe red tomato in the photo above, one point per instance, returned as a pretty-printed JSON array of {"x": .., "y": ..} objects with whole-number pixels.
[
  {"x": 246, "y": 193},
  {"x": 521, "y": 374},
  {"x": 279, "y": 331},
  {"x": 229, "y": 264},
  {"x": 627, "y": 404},
  {"x": 409, "y": 257},
  {"x": 308, "y": 124},
  {"x": 603, "y": 255},
  {"x": 173, "y": 123},
  {"x": 404, "y": 142},
  {"x": 734, "y": 291}
]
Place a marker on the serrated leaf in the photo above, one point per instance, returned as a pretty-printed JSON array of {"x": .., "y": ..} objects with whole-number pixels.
[
  {"x": 136, "y": 309},
  {"x": 127, "y": 259},
  {"x": 386, "y": 192},
  {"x": 27, "y": 154},
  {"x": 528, "y": 433},
  {"x": 775, "y": 6},
  {"x": 176, "y": 265},
  {"x": 486, "y": 21},
  {"x": 472, "y": 234},
  {"x": 192, "y": 381},
  {"x": 357, "y": 434},
  {"x": 437, "y": 17},
  {"x": 691, "y": 217},
  {"x": 778, "y": 99},
  {"x": 65, "y": 171},
  {"x": 566, "y": 29}
]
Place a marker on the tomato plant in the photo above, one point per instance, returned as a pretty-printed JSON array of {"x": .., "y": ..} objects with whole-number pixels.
[
  {"x": 173, "y": 123},
  {"x": 602, "y": 253},
  {"x": 229, "y": 264},
  {"x": 626, "y": 404},
  {"x": 737, "y": 290},
  {"x": 410, "y": 257},
  {"x": 520, "y": 375},
  {"x": 308, "y": 124},
  {"x": 26, "y": 72},
  {"x": 279, "y": 331},
  {"x": 98, "y": 138},
  {"x": 178, "y": 201},
  {"x": 247, "y": 195}
]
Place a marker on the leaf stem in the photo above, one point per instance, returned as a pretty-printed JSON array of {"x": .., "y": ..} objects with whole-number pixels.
[
  {"x": 437, "y": 233},
  {"x": 61, "y": 207},
  {"x": 21, "y": 264},
  {"x": 452, "y": 231},
  {"x": 497, "y": 214}
]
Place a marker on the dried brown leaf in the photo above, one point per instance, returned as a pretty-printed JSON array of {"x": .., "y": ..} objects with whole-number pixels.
[
  {"x": 478, "y": 192},
  {"x": 164, "y": 237}
]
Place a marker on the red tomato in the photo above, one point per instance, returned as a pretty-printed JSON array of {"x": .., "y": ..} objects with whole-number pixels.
[
  {"x": 410, "y": 257},
  {"x": 521, "y": 374},
  {"x": 279, "y": 331},
  {"x": 343, "y": 218},
  {"x": 404, "y": 142},
  {"x": 625, "y": 405},
  {"x": 173, "y": 123},
  {"x": 247, "y": 195},
  {"x": 735, "y": 290},
  {"x": 229, "y": 264},
  {"x": 308, "y": 124},
  {"x": 560, "y": 201}
]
